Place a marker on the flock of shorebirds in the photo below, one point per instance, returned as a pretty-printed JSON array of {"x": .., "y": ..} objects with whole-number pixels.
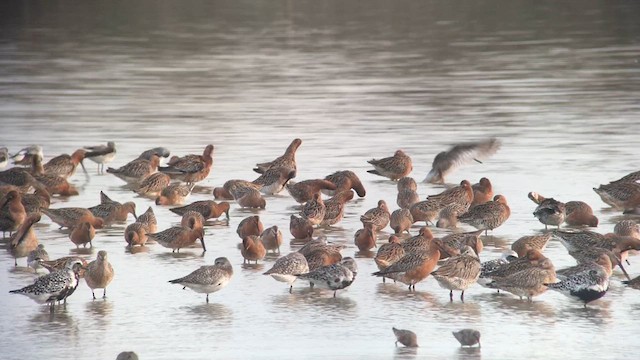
[{"x": 27, "y": 187}]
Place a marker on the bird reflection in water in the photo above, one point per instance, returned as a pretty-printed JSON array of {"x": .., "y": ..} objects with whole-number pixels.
[
  {"x": 212, "y": 312},
  {"x": 469, "y": 353},
  {"x": 405, "y": 352}
]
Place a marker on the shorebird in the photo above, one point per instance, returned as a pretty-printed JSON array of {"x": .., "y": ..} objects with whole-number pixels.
[
  {"x": 148, "y": 220},
  {"x": 633, "y": 283},
  {"x": 37, "y": 255},
  {"x": 334, "y": 208},
  {"x": 332, "y": 277},
  {"x": 550, "y": 212},
  {"x": 136, "y": 170},
  {"x": 467, "y": 337},
  {"x": 378, "y": 217},
  {"x": 252, "y": 249},
  {"x": 209, "y": 209},
  {"x": 160, "y": 152},
  {"x": 586, "y": 286},
  {"x": 620, "y": 195},
  {"x": 447, "y": 161},
  {"x": 273, "y": 180},
  {"x": 509, "y": 263},
  {"x": 71, "y": 217},
  {"x": 4, "y": 157},
  {"x": 174, "y": 194},
  {"x": 405, "y": 337},
  {"x": 314, "y": 210},
  {"x": 55, "y": 286},
  {"x": 482, "y": 192},
  {"x": 49, "y": 182},
  {"x": 208, "y": 279},
  {"x": 24, "y": 156},
  {"x": 272, "y": 238},
  {"x": 345, "y": 180},
  {"x": 101, "y": 154},
  {"x": 135, "y": 234},
  {"x": 304, "y": 191},
  {"x": 388, "y": 254},
  {"x": 250, "y": 198},
  {"x": 287, "y": 161},
  {"x": 461, "y": 196},
  {"x": 413, "y": 267},
  {"x": 394, "y": 167},
  {"x": 300, "y": 227},
  {"x": 191, "y": 168},
  {"x": 24, "y": 240},
  {"x": 537, "y": 242},
  {"x": 365, "y": 239},
  {"x": 12, "y": 212},
  {"x": 488, "y": 216},
  {"x": 179, "y": 237},
  {"x": 407, "y": 192},
  {"x": 250, "y": 225},
  {"x": 65, "y": 165},
  {"x": 624, "y": 228},
  {"x": 577, "y": 213},
  {"x": 529, "y": 282},
  {"x": 286, "y": 267},
  {"x": 452, "y": 244},
  {"x": 99, "y": 274},
  {"x": 458, "y": 272},
  {"x": 153, "y": 184},
  {"x": 114, "y": 211},
  {"x": 400, "y": 221},
  {"x": 82, "y": 234}
]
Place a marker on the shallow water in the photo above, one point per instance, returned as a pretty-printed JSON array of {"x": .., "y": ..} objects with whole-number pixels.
[{"x": 558, "y": 83}]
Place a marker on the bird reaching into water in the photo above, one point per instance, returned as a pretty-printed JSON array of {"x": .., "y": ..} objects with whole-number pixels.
[
  {"x": 405, "y": 337},
  {"x": 447, "y": 161}
]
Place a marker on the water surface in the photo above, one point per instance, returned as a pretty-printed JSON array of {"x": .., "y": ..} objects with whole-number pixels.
[{"x": 558, "y": 83}]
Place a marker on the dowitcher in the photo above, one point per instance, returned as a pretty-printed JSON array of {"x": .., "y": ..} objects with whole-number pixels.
[
  {"x": 467, "y": 337},
  {"x": 401, "y": 220},
  {"x": 389, "y": 253},
  {"x": 82, "y": 234},
  {"x": 304, "y": 191},
  {"x": 191, "y": 168},
  {"x": 334, "y": 207},
  {"x": 345, "y": 180},
  {"x": 405, "y": 337},
  {"x": 488, "y": 216},
  {"x": 24, "y": 240},
  {"x": 378, "y": 217},
  {"x": 300, "y": 228},
  {"x": 209, "y": 209},
  {"x": 250, "y": 225},
  {"x": 65, "y": 165},
  {"x": 136, "y": 170},
  {"x": 252, "y": 249},
  {"x": 482, "y": 192},
  {"x": 394, "y": 167},
  {"x": 153, "y": 184},
  {"x": 72, "y": 216},
  {"x": 287, "y": 161},
  {"x": 179, "y": 237},
  {"x": 314, "y": 210},
  {"x": 12, "y": 212},
  {"x": 365, "y": 239}
]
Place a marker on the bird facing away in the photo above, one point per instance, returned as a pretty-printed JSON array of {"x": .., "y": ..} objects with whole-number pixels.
[
  {"x": 99, "y": 274},
  {"x": 394, "y": 167},
  {"x": 447, "y": 161},
  {"x": 345, "y": 180},
  {"x": 488, "y": 216},
  {"x": 208, "y": 279},
  {"x": 467, "y": 337},
  {"x": 405, "y": 337}
]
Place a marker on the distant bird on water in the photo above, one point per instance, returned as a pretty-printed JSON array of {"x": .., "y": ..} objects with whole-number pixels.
[
  {"x": 447, "y": 161},
  {"x": 405, "y": 337}
]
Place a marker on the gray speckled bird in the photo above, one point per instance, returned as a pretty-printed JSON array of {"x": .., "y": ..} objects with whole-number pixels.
[
  {"x": 208, "y": 279},
  {"x": 333, "y": 277},
  {"x": 585, "y": 286},
  {"x": 55, "y": 286},
  {"x": 286, "y": 267}
]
